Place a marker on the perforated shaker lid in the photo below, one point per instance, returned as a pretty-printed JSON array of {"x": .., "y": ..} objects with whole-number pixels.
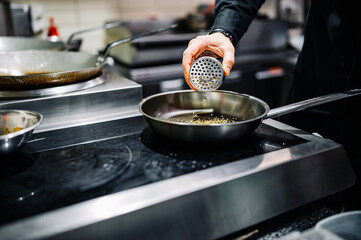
[{"x": 206, "y": 74}]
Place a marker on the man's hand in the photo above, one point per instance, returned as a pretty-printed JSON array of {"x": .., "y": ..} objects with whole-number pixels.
[{"x": 216, "y": 43}]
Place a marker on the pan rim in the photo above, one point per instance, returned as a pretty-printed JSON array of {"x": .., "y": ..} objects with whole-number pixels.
[
  {"x": 267, "y": 108},
  {"x": 57, "y": 45},
  {"x": 53, "y": 74}
]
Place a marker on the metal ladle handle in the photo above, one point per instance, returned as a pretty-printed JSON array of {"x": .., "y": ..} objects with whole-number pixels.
[
  {"x": 106, "y": 50},
  {"x": 298, "y": 106}
]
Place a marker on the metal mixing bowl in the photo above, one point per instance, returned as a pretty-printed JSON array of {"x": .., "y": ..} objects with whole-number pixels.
[{"x": 10, "y": 120}]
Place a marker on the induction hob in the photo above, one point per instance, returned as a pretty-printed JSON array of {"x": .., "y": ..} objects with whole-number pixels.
[{"x": 65, "y": 182}]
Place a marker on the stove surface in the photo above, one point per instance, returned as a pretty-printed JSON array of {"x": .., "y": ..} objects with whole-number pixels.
[
  {"x": 110, "y": 96},
  {"x": 87, "y": 181},
  {"x": 67, "y": 166}
]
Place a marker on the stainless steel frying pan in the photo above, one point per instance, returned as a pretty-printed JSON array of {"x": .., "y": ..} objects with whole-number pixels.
[
  {"x": 169, "y": 113},
  {"x": 8, "y": 44},
  {"x": 46, "y": 68}
]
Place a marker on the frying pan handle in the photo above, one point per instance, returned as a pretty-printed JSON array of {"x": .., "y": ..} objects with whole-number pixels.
[
  {"x": 106, "y": 50},
  {"x": 298, "y": 106},
  {"x": 105, "y": 26}
]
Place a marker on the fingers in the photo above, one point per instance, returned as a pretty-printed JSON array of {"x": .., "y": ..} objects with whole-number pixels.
[
  {"x": 228, "y": 61},
  {"x": 195, "y": 48},
  {"x": 186, "y": 64}
]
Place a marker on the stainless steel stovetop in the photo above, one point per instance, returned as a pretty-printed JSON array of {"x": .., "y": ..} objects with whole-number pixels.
[{"x": 107, "y": 97}]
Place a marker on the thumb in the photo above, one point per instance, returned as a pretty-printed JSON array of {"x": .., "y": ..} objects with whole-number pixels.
[
  {"x": 228, "y": 62},
  {"x": 226, "y": 69}
]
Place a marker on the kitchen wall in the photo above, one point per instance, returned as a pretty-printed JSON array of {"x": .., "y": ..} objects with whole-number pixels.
[{"x": 74, "y": 15}]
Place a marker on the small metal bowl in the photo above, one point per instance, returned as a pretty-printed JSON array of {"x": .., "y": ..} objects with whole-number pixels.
[{"x": 10, "y": 121}]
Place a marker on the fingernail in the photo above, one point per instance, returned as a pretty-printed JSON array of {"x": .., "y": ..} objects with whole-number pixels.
[{"x": 228, "y": 69}]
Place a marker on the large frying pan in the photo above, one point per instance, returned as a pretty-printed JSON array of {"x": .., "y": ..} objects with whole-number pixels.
[
  {"x": 8, "y": 44},
  {"x": 46, "y": 68},
  {"x": 169, "y": 113}
]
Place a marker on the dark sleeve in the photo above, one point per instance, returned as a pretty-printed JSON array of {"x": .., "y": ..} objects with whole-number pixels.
[{"x": 235, "y": 16}]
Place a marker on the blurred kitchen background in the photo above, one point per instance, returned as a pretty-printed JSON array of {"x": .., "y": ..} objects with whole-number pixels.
[{"x": 265, "y": 56}]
